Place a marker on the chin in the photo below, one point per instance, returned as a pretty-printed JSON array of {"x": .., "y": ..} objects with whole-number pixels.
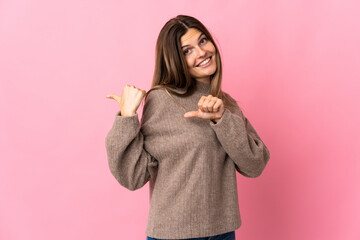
[{"x": 212, "y": 72}]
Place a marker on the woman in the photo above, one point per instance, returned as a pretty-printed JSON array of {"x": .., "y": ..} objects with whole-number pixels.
[{"x": 192, "y": 139}]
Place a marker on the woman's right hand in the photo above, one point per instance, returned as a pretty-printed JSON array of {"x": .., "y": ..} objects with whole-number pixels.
[{"x": 129, "y": 100}]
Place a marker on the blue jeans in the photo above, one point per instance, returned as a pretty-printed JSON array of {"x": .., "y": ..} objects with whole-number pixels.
[{"x": 224, "y": 236}]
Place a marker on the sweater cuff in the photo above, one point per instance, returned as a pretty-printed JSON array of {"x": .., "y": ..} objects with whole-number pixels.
[
  {"x": 224, "y": 117},
  {"x": 129, "y": 121},
  {"x": 118, "y": 114}
]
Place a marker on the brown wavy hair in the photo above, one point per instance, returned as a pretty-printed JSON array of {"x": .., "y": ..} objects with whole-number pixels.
[{"x": 171, "y": 70}]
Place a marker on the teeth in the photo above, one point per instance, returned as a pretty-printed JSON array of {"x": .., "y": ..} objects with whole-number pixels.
[{"x": 204, "y": 62}]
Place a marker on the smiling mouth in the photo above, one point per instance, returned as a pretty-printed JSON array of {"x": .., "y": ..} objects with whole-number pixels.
[{"x": 204, "y": 60}]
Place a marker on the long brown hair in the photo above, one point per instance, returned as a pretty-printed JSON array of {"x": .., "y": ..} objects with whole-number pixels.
[{"x": 171, "y": 70}]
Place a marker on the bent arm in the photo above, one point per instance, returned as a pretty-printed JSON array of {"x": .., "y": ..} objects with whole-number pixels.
[
  {"x": 129, "y": 162},
  {"x": 241, "y": 142}
]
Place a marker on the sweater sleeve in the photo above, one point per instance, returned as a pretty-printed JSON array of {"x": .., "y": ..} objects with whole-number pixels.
[
  {"x": 128, "y": 160},
  {"x": 241, "y": 142}
]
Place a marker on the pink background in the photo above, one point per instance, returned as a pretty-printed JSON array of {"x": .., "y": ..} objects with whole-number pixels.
[{"x": 294, "y": 66}]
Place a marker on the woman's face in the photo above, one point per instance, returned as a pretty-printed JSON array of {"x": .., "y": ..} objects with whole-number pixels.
[{"x": 197, "y": 51}]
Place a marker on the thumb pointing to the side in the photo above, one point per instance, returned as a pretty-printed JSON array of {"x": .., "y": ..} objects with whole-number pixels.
[
  {"x": 115, "y": 97},
  {"x": 191, "y": 114}
]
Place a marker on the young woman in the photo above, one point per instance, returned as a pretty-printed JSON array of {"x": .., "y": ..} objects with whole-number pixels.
[{"x": 192, "y": 139}]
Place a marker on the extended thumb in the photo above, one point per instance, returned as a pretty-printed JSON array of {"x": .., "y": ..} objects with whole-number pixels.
[{"x": 190, "y": 114}]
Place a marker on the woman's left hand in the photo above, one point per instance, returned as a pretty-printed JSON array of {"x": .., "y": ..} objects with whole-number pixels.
[{"x": 209, "y": 108}]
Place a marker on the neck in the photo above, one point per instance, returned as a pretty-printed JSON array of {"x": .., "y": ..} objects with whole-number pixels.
[
  {"x": 203, "y": 87},
  {"x": 204, "y": 80}
]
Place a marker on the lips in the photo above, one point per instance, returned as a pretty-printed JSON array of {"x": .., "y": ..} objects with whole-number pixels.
[{"x": 203, "y": 60}]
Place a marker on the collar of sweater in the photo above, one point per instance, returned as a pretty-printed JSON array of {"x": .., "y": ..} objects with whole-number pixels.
[{"x": 201, "y": 87}]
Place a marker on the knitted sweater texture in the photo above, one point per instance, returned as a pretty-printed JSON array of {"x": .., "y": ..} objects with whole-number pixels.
[{"x": 190, "y": 163}]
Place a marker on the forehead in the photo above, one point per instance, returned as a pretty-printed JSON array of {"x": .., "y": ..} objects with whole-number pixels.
[{"x": 191, "y": 35}]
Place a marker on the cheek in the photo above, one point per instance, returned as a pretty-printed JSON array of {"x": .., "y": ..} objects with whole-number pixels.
[
  {"x": 212, "y": 48},
  {"x": 190, "y": 62}
]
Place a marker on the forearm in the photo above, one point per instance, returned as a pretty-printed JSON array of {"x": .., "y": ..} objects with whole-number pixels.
[
  {"x": 128, "y": 161},
  {"x": 241, "y": 142}
]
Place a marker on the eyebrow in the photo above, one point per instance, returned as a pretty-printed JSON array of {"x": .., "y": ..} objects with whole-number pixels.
[{"x": 198, "y": 39}]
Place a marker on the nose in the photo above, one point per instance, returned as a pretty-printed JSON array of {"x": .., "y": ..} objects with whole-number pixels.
[{"x": 201, "y": 52}]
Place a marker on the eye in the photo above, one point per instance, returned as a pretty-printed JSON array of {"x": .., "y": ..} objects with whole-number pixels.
[
  {"x": 203, "y": 39},
  {"x": 185, "y": 52}
]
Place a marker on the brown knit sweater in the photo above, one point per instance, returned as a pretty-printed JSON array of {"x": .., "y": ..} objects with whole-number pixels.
[{"x": 189, "y": 162}]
